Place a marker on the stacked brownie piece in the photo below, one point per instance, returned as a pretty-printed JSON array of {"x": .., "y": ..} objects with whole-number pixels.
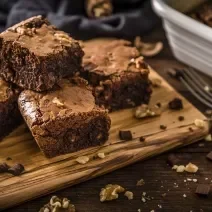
[
  {"x": 10, "y": 116},
  {"x": 58, "y": 108},
  {"x": 65, "y": 119},
  {"x": 41, "y": 69},
  {"x": 117, "y": 73},
  {"x": 35, "y": 55}
]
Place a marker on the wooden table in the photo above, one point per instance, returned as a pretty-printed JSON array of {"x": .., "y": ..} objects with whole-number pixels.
[{"x": 158, "y": 176}]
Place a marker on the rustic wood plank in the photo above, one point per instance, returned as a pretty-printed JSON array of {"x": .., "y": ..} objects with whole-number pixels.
[{"x": 44, "y": 175}]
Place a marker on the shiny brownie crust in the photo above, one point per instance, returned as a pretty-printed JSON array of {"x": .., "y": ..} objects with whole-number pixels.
[
  {"x": 35, "y": 55},
  {"x": 117, "y": 73}
]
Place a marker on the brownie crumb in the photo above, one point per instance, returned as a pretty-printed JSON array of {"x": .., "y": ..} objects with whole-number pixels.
[
  {"x": 4, "y": 167},
  {"x": 163, "y": 127},
  {"x": 16, "y": 170},
  {"x": 191, "y": 129},
  {"x": 8, "y": 158},
  {"x": 158, "y": 104},
  {"x": 181, "y": 118},
  {"x": 173, "y": 160},
  {"x": 142, "y": 139},
  {"x": 203, "y": 189},
  {"x": 125, "y": 135},
  {"x": 176, "y": 104}
]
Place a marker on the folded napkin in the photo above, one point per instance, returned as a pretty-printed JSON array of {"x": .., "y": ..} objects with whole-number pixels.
[{"x": 130, "y": 17}]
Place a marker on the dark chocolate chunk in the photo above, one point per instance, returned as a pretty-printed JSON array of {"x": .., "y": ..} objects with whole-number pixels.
[
  {"x": 4, "y": 167},
  {"x": 163, "y": 127},
  {"x": 173, "y": 160},
  {"x": 176, "y": 104},
  {"x": 142, "y": 139},
  {"x": 209, "y": 156},
  {"x": 203, "y": 189},
  {"x": 125, "y": 135},
  {"x": 16, "y": 170},
  {"x": 158, "y": 105},
  {"x": 181, "y": 118},
  {"x": 175, "y": 73},
  {"x": 8, "y": 158}
]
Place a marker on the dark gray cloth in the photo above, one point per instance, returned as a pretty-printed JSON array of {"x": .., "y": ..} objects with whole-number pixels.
[{"x": 130, "y": 18}]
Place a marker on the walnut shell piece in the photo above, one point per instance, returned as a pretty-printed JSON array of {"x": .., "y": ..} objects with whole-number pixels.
[
  {"x": 148, "y": 49},
  {"x": 110, "y": 192}
]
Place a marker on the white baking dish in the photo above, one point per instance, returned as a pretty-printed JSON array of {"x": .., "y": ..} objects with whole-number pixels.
[{"x": 190, "y": 40}]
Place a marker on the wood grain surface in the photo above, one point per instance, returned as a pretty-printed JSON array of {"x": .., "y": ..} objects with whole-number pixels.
[{"x": 43, "y": 176}]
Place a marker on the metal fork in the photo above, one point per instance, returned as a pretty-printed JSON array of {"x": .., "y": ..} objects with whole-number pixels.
[{"x": 194, "y": 83}]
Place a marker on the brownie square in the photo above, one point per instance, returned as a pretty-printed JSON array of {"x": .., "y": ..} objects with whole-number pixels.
[
  {"x": 117, "y": 73},
  {"x": 36, "y": 55},
  {"x": 66, "y": 119},
  {"x": 10, "y": 116},
  {"x": 203, "y": 13}
]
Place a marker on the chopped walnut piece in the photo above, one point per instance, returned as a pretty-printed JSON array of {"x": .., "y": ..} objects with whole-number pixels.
[
  {"x": 180, "y": 168},
  {"x": 199, "y": 123},
  {"x": 101, "y": 155},
  {"x": 129, "y": 195},
  {"x": 110, "y": 192},
  {"x": 156, "y": 82},
  {"x": 82, "y": 159},
  {"x": 148, "y": 49},
  {"x": 57, "y": 102},
  {"x": 208, "y": 138},
  {"x": 63, "y": 37},
  {"x": 192, "y": 168},
  {"x": 140, "y": 182},
  {"x": 56, "y": 205},
  {"x": 144, "y": 111}
]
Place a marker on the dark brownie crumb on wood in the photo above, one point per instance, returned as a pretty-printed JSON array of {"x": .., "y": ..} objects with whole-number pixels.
[
  {"x": 163, "y": 127},
  {"x": 176, "y": 104},
  {"x": 66, "y": 119},
  {"x": 125, "y": 135},
  {"x": 36, "y": 55},
  {"x": 3, "y": 167},
  {"x": 117, "y": 73},
  {"x": 10, "y": 116},
  {"x": 16, "y": 170}
]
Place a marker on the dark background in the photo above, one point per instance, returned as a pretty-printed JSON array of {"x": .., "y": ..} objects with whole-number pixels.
[{"x": 130, "y": 18}]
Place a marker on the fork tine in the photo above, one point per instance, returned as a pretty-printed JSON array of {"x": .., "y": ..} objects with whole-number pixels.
[
  {"x": 199, "y": 83},
  {"x": 197, "y": 88},
  {"x": 205, "y": 102},
  {"x": 197, "y": 76}
]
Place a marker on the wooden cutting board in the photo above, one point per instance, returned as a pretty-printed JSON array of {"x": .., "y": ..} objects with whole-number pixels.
[{"x": 44, "y": 175}]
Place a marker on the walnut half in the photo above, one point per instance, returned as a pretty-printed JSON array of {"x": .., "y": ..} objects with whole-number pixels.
[
  {"x": 56, "y": 205},
  {"x": 110, "y": 192}
]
